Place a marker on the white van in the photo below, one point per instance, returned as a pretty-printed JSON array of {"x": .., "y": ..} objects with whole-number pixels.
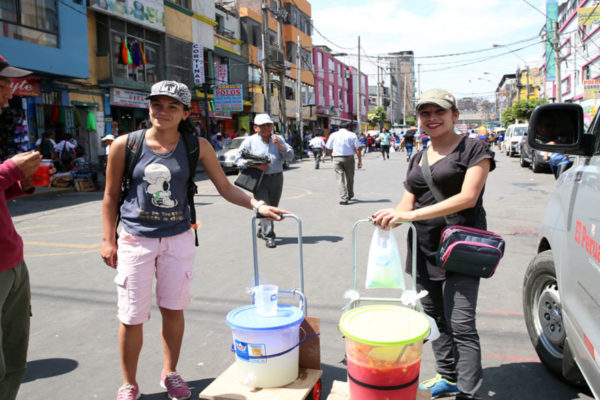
[
  {"x": 561, "y": 296},
  {"x": 512, "y": 139}
]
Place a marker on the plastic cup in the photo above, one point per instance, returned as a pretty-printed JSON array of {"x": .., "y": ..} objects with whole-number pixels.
[
  {"x": 265, "y": 298},
  {"x": 41, "y": 177}
]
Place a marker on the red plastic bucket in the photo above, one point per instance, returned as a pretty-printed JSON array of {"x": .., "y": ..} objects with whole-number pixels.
[{"x": 383, "y": 351}]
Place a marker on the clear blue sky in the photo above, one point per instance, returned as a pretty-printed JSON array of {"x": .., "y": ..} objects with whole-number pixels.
[{"x": 437, "y": 27}]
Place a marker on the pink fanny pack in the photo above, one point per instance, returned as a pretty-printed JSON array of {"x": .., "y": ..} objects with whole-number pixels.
[{"x": 470, "y": 251}]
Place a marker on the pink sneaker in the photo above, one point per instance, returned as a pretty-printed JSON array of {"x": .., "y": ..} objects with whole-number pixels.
[
  {"x": 128, "y": 392},
  {"x": 176, "y": 387}
]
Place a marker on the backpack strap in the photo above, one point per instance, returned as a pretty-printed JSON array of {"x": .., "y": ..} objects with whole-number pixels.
[
  {"x": 192, "y": 149},
  {"x": 133, "y": 147}
]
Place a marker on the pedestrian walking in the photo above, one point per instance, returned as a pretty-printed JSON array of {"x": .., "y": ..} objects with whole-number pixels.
[
  {"x": 384, "y": 140},
  {"x": 459, "y": 167},
  {"x": 408, "y": 141},
  {"x": 343, "y": 144},
  {"x": 15, "y": 293},
  {"x": 317, "y": 144},
  {"x": 156, "y": 238},
  {"x": 266, "y": 144}
]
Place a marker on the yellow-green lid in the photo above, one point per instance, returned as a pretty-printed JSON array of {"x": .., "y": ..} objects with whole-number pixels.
[{"x": 384, "y": 325}]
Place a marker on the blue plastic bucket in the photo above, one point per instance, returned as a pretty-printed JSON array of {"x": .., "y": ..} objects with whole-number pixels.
[{"x": 266, "y": 348}]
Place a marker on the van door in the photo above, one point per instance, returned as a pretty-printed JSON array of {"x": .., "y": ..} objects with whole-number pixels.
[{"x": 579, "y": 278}]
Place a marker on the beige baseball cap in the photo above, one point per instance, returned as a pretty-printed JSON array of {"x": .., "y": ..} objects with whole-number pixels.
[{"x": 438, "y": 97}]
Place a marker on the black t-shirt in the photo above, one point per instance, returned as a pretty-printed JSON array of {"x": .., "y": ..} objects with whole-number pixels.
[
  {"x": 409, "y": 137},
  {"x": 448, "y": 175}
]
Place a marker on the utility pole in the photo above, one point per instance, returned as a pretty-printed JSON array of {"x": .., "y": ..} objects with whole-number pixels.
[
  {"x": 378, "y": 85},
  {"x": 404, "y": 102},
  {"x": 265, "y": 60},
  {"x": 299, "y": 93},
  {"x": 391, "y": 95},
  {"x": 557, "y": 62},
  {"x": 282, "y": 110},
  {"x": 418, "y": 80},
  {"x": 358, "y": 99}
]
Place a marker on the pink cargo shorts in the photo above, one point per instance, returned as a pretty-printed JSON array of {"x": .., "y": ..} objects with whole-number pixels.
[{"x": 170, "y": 259}]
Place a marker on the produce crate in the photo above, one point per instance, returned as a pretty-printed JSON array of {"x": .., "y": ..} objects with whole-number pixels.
[{"x": 84, "y": 185}]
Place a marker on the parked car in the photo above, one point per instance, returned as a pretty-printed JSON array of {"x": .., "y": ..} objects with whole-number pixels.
[
  {"x": 512, "y": 139},
  {"x": 533, "y": 158},
  {"x": 226, "y": 156},
  {"x": 561, "y": 300}
]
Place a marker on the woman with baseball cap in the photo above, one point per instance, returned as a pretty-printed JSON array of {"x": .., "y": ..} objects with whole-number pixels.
[
  {"x": 459, "y": 167},
  {"x": 156, "y": 239}
]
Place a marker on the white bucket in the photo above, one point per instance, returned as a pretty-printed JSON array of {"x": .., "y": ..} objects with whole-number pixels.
[{"x": 266, "y": 347}]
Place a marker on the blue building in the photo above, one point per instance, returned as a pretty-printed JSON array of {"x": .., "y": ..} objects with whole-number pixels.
[{"x": 49, "y": 38}]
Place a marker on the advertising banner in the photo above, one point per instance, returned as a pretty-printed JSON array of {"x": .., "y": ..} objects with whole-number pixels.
[
  {"x": 588, "y": 16},
  {"x": 128, "y": 98},
  {"x": 25, "y": 86},
  {"x": 229, "y": 98},
  {"x": 150, "y": 13},
  {"x": 591, "y": 89},
  {"x": 198, "y": 63},
  {"x": 551, "y": 17}
]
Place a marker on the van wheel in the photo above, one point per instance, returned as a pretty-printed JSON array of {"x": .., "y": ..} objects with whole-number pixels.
[
  {"x": 524, "y": 163},
  {"x": 543, "y": 313}
]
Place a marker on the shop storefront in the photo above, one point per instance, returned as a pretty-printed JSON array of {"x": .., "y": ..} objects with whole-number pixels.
[{"x": 128, "y": 109}]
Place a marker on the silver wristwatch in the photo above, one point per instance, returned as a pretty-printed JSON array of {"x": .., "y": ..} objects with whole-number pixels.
[{"x": 257, "y": 206}]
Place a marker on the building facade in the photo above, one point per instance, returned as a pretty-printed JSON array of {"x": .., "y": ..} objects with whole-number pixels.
[{"x": 336, "y": 92}]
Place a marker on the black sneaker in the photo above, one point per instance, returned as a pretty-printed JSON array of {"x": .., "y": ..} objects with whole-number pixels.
[{"x": 270, "y": 243}]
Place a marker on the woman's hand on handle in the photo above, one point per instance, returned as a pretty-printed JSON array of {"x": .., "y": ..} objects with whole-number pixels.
[
  {"x": 272, "y": 213},
  {"x": 389, "y": 218}
]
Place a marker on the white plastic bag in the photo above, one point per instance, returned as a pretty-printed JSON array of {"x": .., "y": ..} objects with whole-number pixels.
[{"x": 384, "y": 269}]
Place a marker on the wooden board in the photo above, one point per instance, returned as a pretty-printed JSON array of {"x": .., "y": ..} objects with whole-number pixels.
[
  {"x": 340, "y": 391},
  {"x": 227, "y": 387}
]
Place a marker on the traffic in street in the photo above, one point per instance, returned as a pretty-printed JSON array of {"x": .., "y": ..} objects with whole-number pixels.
[{"x": 73, "y": 341}]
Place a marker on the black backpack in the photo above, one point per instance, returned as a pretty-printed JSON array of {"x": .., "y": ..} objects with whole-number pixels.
[
  {"x": 67, "y": 155},
  {"x": 133, "y": 147}
]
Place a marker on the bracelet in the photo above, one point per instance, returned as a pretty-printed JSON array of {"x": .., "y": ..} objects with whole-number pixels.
[{"x": 258, "y": 205}]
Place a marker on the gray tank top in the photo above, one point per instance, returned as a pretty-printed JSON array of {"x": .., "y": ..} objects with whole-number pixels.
[{"x": 156, "y": 205}]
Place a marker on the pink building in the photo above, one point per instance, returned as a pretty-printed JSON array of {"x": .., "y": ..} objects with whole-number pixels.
[{"x": 335, "y": 91}]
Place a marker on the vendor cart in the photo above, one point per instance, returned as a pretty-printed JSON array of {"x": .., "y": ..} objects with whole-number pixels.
[{"x": 308, "y": 385}]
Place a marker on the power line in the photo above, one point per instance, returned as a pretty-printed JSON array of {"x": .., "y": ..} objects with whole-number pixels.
[{"x": 534, "y": 7}]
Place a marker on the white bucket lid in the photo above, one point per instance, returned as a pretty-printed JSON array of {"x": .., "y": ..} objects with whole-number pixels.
[{"x": 247, "y": 318}]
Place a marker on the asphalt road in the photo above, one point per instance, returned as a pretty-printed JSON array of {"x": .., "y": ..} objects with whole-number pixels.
[{"x": 73, "y": 345}]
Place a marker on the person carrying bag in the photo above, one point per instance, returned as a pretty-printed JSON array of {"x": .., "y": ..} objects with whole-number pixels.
[{"x": 459, "y": 167}]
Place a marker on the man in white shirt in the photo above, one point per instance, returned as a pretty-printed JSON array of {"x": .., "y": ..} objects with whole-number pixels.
[
  {"x": 343, "y": 144},
  {"x": 316, "y": 145}
]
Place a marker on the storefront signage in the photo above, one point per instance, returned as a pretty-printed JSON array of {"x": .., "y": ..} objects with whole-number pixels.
[
  {"x": 222, "y": 74},
  {"x": 551, "y": 17},
  {"x": 198, "y": 63},
  {"x": 591, "y": 89},
  {"x": 150, "y": 13},
  {"x": 128, "y": 98},
  {"x": 25, "y": 87},
  {"x": 588, "y": 16},
  {"x": 229, "y": 98}
]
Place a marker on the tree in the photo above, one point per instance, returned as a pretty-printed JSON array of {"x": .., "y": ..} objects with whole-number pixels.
[
  {"x": 377, "y": 116},
  {"x": 411, "y": 121},
  {"x": 521, "y": 110}
]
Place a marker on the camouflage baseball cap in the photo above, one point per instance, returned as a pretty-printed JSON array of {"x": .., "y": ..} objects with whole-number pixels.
[
  {"x": 438, "y": 97},
  {"x": 175, "y": 90}
]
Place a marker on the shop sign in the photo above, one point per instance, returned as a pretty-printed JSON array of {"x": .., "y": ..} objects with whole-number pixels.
[
  {"x": 591, "y": 89},
  {"x": 150, "y": 13},
  {"x": 588, "y": 16},
  {"x": 128, "y": 98},
  {"x": 25, "y": 87},
  {"x": 229, "y": 98},
  {"x": 198, "y": 63}
]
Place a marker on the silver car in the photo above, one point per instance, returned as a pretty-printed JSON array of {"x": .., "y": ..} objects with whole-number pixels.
[{"x": 226, "y": 156}]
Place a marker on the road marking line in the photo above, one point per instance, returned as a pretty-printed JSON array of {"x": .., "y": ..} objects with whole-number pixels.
[
  {"x": 61, "y": 254},
  {"x": 72, "y": 245}
]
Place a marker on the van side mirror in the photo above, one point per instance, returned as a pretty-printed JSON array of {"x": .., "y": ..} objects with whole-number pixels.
[{"x": 558, "y": 128}]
